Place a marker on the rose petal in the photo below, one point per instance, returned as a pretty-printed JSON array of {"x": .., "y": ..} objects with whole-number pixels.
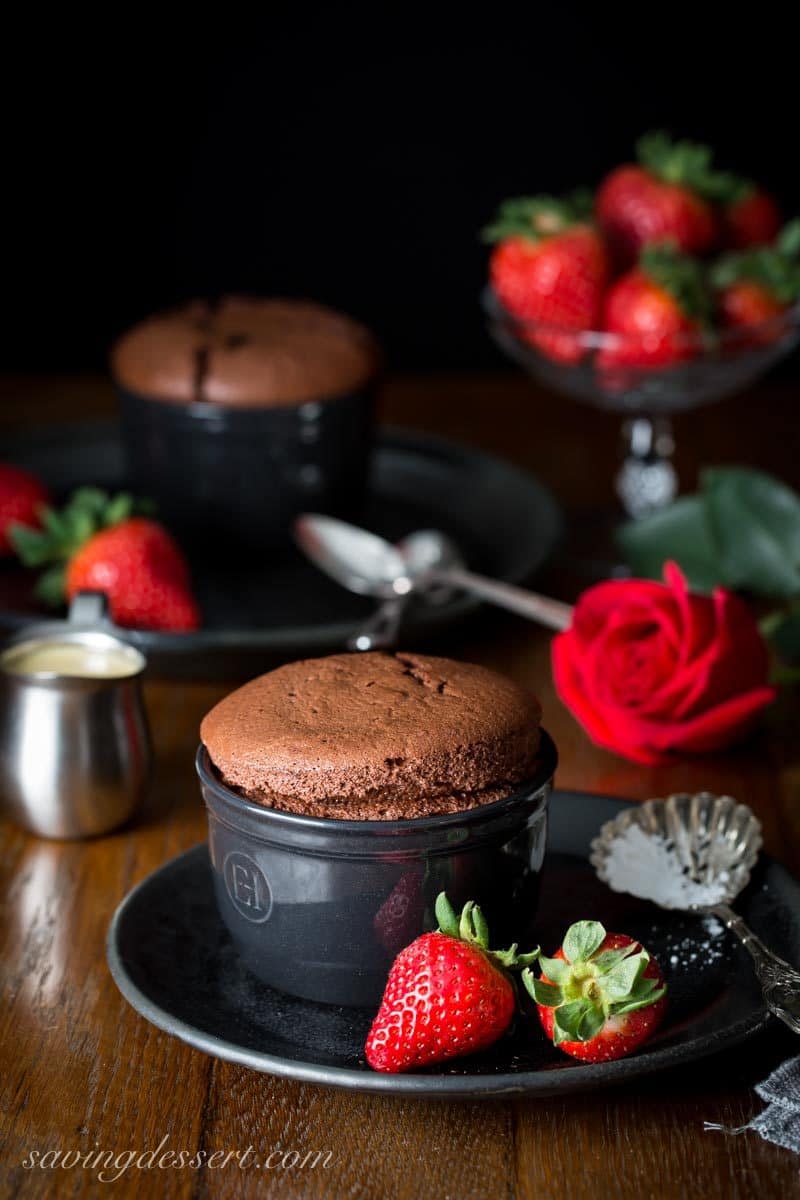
[{"x": 711, "y": 730}]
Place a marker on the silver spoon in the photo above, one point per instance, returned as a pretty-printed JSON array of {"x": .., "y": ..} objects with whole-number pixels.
[
  {"x": 421, "y": 551},
  {"x": 370, "y": 565},
  {"x": 695, "y": 854}
]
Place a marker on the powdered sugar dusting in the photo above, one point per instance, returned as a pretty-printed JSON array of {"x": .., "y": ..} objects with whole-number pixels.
[{"x": 645, "y": 865}]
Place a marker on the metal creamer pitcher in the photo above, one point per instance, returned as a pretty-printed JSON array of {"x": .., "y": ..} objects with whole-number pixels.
[{"x": 75, "y": 754}]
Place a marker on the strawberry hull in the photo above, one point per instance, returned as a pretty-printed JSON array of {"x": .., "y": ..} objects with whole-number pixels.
[{"x": 317, "y": 907}]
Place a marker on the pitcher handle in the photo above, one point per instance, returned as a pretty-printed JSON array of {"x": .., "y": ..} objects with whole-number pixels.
[{"x": 88, "y": 608}]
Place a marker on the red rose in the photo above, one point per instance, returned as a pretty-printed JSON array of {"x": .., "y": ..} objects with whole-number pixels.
[{"x": 652, "y": 671}]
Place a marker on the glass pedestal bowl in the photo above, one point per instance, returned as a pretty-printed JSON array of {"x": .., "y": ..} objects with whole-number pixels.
[{"x": 593, "y": 366}]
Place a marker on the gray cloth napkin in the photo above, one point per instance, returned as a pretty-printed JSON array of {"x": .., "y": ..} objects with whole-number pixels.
[{"x": 779, "y": 1122}]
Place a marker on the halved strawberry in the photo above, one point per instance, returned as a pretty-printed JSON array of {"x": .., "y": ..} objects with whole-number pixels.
[
  {"x": 447, "y": 994},
  {"x": 549, "y": 269},
  {"x": 600, "y": 996}
]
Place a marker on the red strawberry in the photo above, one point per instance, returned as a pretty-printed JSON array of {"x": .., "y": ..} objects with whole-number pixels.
[
  {"x": 756, "y": 285},
  {"x": 662, "y": 198},
  {"x": 143, "y": 573},
  {"x": 447, "y": 994},
  {"x": 657, "y": 310},
  {"x": 746, "y": 305},
  {"x": 97, "y": 545},
  {"x": 601, "y": 995},
  {"x": 549, "y": 268},
  {"x": 750, "y": 218},
  {"x": 401, "y": 914},
  {"x": 22, "y": 496}
]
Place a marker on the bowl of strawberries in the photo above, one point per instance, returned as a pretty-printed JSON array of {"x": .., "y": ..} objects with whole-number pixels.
[{"x": 673, "y": 285}]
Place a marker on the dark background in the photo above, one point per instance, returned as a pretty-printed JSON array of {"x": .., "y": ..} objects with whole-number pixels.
[{"x": 355, "y": 163}]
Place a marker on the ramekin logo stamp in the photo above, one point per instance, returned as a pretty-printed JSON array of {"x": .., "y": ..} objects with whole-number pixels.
[{"x": 247, "y": 887}]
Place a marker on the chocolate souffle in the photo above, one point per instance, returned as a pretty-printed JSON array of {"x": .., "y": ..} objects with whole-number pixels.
[
  {"x": 238, "y": 415},
  {"x": 375, "y": 737},
  {"x": 245, "y": 352}
]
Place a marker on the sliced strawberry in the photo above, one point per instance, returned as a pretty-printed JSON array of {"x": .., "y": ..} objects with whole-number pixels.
[
  {"x": 447, "y": 994},
  {"x": 600, "y": 996}
]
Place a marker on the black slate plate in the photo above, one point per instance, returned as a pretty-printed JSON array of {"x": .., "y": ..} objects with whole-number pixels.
[
  {"x": 174, "y": 962},
  {"x": 504, "y": 520}
]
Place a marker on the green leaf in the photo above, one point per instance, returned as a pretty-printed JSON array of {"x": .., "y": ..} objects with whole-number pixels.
[
  {"x": 50, "y": 586},
  {"x": 788, "y": 241},
  {"x": 554, "y": 968},
  {"x": 91, "y": 499},
  {"x": 620, "y": 982},
  {"x": 578, "y": 1021},
  {"x": 32, "y": 547},
  {"x": 445, "y": 915},
  {"x": 511, "y": 958},
  {"x": 606, "y": 960},
  {"x": 755, "y": 523},
  {"x": 545, "y": 993},
  {"x": 640, "y": 1000},
  {"x": 538, "y": 216},
  {"x": 55, "y": 523},
  {"x": 480, "y": 926},
  {"x": 783, "y": 630},
  {"x": 119, "y": 509},
  {"x": 582, "y": 939},
  {"x": 680, "y": 275},
  {"x": 682, "y": 533}
]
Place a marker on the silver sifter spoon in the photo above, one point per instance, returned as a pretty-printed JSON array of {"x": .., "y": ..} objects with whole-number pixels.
[
  {"x": 694, "y": 853},
  {"x": 365, "y": 563}
]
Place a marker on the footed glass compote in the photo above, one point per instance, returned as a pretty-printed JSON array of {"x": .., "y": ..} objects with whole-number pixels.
[{"x": 593, "y": 366}]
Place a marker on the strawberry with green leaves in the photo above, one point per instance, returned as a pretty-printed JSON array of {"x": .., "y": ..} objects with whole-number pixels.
[
  {"x": 447, "y": 994},
  {"x": 657, "y": 312},
  {"x": 756, "y": 285},
  {"x": 600, "y": 996},
  {"x": 663, "y": 196},
  {"x": 549, "y": 268},
  {"x": 97, "y": 543}
]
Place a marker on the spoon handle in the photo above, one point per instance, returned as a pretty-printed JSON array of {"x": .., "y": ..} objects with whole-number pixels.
[
  {"x": 379, "y": 631},
  {"x": 780, "y": 982},
  {"x": 552, "y": 613}
]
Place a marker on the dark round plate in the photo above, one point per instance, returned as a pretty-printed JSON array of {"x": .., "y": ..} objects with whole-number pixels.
[
  {"x": 505, "y": 522},
  {"x": 174, "y": 962}
]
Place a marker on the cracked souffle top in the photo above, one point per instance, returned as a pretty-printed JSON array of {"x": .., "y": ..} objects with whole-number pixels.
[
  {"x": 245, "y": 352},
  {"x": 375, "y": 737}
]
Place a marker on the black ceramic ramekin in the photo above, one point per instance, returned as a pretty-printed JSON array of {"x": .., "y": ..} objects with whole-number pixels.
[
  {"x": 319, "y": 908},
  {"x": 235, "y": 477}
]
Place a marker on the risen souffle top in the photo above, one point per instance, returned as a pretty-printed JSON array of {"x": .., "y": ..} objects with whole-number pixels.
[{"x": 375, "y": 737}]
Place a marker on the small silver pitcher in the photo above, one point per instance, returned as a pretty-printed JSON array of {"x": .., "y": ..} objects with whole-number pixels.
[{"x": 75, "y": 754}]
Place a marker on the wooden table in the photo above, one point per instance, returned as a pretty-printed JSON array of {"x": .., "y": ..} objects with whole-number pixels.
[{"x": 80, "y": 1070}]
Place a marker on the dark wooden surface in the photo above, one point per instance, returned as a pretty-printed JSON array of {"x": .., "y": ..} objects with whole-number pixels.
[{"x": 79, "y": 1070}]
